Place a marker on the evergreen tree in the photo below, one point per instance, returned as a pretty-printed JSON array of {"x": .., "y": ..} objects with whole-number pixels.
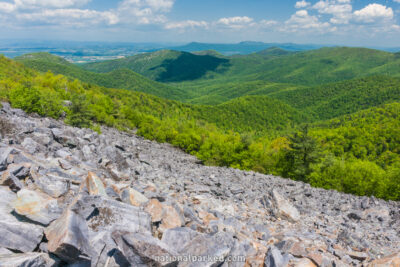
[
  {"x": 303, "y": 151},
  {"x": 79, "y": 115}
]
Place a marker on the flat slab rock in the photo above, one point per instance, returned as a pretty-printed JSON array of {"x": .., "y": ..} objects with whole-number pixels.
[{"x": 115, "y": 199}]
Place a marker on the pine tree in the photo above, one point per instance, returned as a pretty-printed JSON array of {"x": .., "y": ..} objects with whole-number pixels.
[{"x": 303, "y": 151}]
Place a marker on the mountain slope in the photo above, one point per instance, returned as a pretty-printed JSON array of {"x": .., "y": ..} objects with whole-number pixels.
[
  {"x": 164, "y": 65},
  {"x": 336, "y": 99},
  {"x": 121, "y": 78}
]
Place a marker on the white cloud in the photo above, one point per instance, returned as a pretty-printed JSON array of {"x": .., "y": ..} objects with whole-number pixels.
[
  {"x": 27, "y": 4},
  {"x": 186, "y": 24},
  {"x": 6, "y": 7},
  {"x": 340, "y": 10},
  {"x": 303, "y": 4},
  {"x": 236, "y": 22},
  {"x": 302, "y": 21},
  {"x": 75, "y": 17},
  {"x": 374, "y": 13}
]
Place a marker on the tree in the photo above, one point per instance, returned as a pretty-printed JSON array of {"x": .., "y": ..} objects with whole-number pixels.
[
  {"x": 303, "y": 151},
  {"x": 79, "y": 114}
]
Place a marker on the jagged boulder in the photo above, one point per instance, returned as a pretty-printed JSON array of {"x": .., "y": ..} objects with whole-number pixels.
[
  {"x": 36, "y": 206},
  {"x": 68, "y": 238},
  {"x": 15, "y": 234}
]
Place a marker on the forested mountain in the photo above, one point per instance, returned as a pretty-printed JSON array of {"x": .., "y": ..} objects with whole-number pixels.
[
  {"x": 119, "y": 78},
  {"x": 164, "y": 65},
  {"x": 329, "y": 117}
]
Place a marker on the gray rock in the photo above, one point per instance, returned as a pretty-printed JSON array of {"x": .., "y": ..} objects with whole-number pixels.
[
  {"x": 212, "y": 249},
  {"x": 275, "y": 258},
  {"x": 30, "y": 145},
  {"x": 145, "y": 249},
  {"x": 15, "y": 234},
  {"x": 4, "y": 154},
  {"x": 107, "y": 215},
  {"x": 52, "y": 185},
  {"x": 284, "y": 209},
  {"x": 178, "y": 238},
  {"x": 27, "y": 260},
  {"x": 9, "y": 179},
  {"x": 68, "y": 238},
  {"x": 36, "y": 207}
]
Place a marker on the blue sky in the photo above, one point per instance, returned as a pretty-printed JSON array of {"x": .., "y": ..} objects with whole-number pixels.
[{"x": 346, "y": 22}]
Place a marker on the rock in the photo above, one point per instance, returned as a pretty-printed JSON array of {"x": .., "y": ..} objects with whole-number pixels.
[
  {"x": 52, "y": 185},
  {"x": 274, "y": 258},
  {"x": 4, "y": 155},
  {"x": 65, "y": 165},
  {"x": 68, "y": 238},
  {"x": 171, "y": 218},
  {"x": 15, "y": 234},
  {"x": 178, "y": 238},
  {"x": 284, "y": 209},
  {"x": 27, "y": 259},
  {"x": 145, "y": 249},
  {"x": 155, "y": 209},
  {"x": 95, "y": 185},
  {"x": 212, "y": 248},
  {"x": 36, "y": 206},
  {"x": 133, "y": 197},
  {"x": 9, "y": 179},
  {"x": 21, "y": 171},
  {"x": 107, "y": 215},
  {"x": 360, "y": 256},
  {"x": 304, "y": 262},
  {"x": 389, "y": 261},
  {"x": 30, "y": 145}
]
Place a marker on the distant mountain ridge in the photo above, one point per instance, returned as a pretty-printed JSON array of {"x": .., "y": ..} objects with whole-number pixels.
[{"x": 243, "y": 48}]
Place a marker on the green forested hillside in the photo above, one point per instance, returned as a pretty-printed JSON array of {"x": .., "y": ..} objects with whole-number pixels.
[
  {"x": 336, "y": 99},
  {"x": 274, "y": 121},
  {"x": 120, "y": 78},
  {"x": 164, "y": 65}
]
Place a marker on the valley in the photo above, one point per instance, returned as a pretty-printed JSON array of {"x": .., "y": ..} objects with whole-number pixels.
[{"x": 307, "y": 115}]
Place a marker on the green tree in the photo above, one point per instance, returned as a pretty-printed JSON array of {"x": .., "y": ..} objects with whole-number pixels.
[
  {"x": 303, "y": 151},
  {"x": 79, "y": 114}
]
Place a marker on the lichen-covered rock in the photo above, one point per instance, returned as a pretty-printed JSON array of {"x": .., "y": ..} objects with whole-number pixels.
[
  {"x": 144, "y": 249},
  {"x": 95, "y": 185},
  {"x": 36, "y": 206},
  {"x": 15, "y": 234}
]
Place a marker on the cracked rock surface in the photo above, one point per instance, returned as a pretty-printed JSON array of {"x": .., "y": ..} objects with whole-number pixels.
[{"x": 72, "y": 197}]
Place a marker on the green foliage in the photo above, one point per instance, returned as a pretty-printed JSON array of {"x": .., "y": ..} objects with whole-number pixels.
[
  {"x": 357, "y": 153},
  {"x": 119, "y": 78},
  {"x": 79, "y": 114},
  {"x": 301, "y": 154}
]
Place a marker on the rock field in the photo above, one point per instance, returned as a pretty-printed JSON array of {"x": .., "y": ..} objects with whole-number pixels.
[{"x": 72, "y": 197}]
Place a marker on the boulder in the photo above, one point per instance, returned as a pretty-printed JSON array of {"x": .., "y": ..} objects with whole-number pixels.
[
  {"x": 106, "y": 215},
  {"x": 15, "y": 234},
  {"x": 30, "y": 145},
  {"x": 36, "y": 206},
  {"x": 27, "y": 259},
  {"x": 10, "y": 180},
  {"x": 171, "y": 218},
  {"x": 133, "y": 197},
  {"x": 144, "y": 249},
  {"x": 178, "y": 238},
  {"x": 274, "y": 258},
  {"x": 95, "y": 185},
  {"x": 68, "y": 237},
  {"x": 283, "y": 208},
  {"x": 389, "y": 261},
  {"x": 52, "y": 185},
  {"x": 155, "y": 209},
  {"x": 4, "y": 154}
]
